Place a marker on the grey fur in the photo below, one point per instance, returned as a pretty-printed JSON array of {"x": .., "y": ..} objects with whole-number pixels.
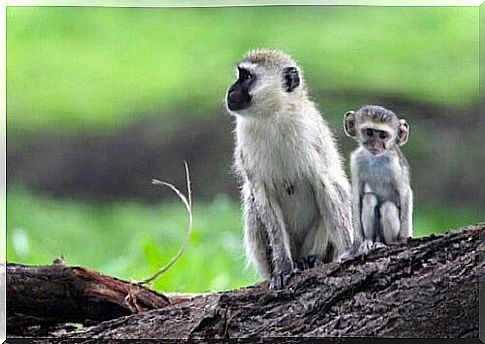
[{"x": 382, "y": 196}]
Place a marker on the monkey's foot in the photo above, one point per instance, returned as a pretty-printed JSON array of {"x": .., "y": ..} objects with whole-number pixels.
[
  {"x": 378, "y": 244},
  {"x": 356, "y": 250},
  {"x": 347, "y": 255},
  {"x": 369, "y": 245},
  {"x": 306, "y": 263},
  {"x": 364, "y": 248}
]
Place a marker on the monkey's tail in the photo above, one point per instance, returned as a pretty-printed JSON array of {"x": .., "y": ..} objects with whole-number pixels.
[{"x": 379, "y": 236}]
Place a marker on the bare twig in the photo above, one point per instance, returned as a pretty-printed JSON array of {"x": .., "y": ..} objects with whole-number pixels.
[{"x": 188, "y": 206}]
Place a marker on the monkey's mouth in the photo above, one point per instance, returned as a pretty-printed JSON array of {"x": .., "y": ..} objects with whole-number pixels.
[
  {"x": 375, "y": 151},
  {"x": 237, "y": 103},
  {"x": 236, "y": 100}
]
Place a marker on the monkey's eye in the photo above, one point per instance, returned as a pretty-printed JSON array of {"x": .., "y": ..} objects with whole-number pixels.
[
  {"x": 244, "y": 74},
  {"x": 370, "y": 132},
  {"x": 248, "y": 76},
  {"x": 383, "y": 135}
]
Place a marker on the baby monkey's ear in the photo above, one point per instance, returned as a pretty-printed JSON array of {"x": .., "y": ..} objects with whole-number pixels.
[
  {"x": 350, "y": 123},
  {"x": 402, "y": 132}
]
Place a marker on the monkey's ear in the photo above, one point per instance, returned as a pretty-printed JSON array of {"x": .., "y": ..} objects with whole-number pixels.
[
  {"x": 349, "y": 124},
  {"x": 402, "y": 132},
  {"x": 292, "y": 78}
]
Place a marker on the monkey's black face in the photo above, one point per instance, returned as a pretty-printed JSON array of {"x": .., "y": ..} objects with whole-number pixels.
[
  {"x": 238, "y": 97},
  {"x": 375, "y": 141}
]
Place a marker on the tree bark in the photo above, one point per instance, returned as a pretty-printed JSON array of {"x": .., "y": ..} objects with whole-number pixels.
[{"x": 426, "y": 287}]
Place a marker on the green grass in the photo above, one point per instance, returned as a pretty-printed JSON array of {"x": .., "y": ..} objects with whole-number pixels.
[
  {"x": 130, "y": 240},
  {"x": 98, "y": 68}
]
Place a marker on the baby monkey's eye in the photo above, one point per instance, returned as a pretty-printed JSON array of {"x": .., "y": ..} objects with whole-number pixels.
[
  {"x": 383, "y": 135},
  {"x": 370, "y": 132}
]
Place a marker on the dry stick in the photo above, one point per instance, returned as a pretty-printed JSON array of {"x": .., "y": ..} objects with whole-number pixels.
[{"x": 188, "y": 206}]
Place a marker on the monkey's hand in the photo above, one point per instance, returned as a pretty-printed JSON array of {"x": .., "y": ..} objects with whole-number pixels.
[{"x": 279, "y": 280}]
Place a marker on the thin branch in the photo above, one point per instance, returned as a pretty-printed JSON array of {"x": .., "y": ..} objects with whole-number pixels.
[{"x": 188, "y": 206}]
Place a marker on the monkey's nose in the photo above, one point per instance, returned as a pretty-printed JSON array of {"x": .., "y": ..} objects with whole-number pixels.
[{"x": 237, "y": 101}]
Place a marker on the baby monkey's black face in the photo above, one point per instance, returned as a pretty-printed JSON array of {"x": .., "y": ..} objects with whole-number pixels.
[
  {"x": 238, "y": 97},
  {"x": 375, "y": 140}
]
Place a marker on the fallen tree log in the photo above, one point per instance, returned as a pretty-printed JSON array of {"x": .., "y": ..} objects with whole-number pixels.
[
  {"x": 427, "y": 287},
  {"x": 56, "y": 294}
]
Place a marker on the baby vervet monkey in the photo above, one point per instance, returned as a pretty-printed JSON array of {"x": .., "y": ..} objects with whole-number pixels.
[
  {"x": 382, "y": 196},
  {"x": 295, "y": 194}
]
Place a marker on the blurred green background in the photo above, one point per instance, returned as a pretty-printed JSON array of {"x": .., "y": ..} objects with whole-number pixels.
[{"x": 102, "y": 100}]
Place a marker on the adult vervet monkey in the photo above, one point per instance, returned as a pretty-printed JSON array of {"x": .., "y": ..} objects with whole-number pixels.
[{"x": 295, "y": 194}]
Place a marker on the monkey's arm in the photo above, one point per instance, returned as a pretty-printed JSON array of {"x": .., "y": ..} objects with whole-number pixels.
[
  {"x": 406, "y": 214},
  {"x": 271, "y": 255},
  {"x": 272, "y": 219},
  {"x": 256, "y": 243}
]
